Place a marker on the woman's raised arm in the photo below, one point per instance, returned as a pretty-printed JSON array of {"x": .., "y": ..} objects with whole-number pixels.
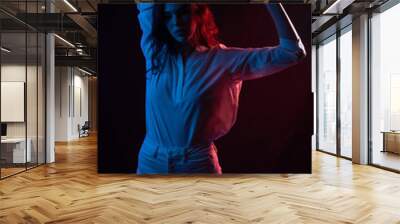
[
  {"x": 146, "y": 20},
  {"x": 282, "y": 22},
  {"x": 252, "y": 63}
]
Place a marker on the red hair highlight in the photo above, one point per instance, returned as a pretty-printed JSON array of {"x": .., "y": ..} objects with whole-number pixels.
[{"x": 204, "y": 31}]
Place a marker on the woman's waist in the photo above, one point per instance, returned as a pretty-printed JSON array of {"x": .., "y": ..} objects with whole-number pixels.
[
  {"x": 176, "y": 144},
  {"x": 174, "y": 150}
]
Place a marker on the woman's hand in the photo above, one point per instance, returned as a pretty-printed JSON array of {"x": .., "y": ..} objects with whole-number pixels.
[{"x": 282, "y": 22}]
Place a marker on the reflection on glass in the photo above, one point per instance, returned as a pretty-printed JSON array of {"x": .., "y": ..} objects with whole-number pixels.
[
  {"x": 31, "y": 101},
  {"x": 346, "y": 94},
  {"x": 385, "y": 84},
  {"x": 32, "y": 81},
  {"x": 22, "y": 88},
  {"x": 327, "y": 96},
  {"x": 14, "y": 150},
  {"x": 41, "y": 98}
]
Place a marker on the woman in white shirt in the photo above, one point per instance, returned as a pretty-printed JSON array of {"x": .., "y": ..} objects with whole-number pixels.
[{"x": 193, "y": 83}]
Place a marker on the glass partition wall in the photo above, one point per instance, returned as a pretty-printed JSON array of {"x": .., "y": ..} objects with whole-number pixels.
[
  {"x": 326, "y": 130},
  {"x": 345, "y": 91},
  {"x": 13, "y": 86},
  {"x": 334, "y": 94},
  {"x": 22, "y": 88},
  {"x": 385, "y": 89}
]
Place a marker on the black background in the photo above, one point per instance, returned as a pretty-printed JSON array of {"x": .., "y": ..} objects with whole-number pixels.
[{"x": 273, "y": 130}]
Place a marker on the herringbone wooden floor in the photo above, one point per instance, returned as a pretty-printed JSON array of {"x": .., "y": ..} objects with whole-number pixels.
[{"x": 71, "y": 191}]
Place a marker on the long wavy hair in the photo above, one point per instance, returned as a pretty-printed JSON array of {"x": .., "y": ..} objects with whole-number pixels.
[{"x": 203, "y": 31}]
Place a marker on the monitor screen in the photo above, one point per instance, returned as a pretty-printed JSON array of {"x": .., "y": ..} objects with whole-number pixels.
[{"x": 3, "y": 129}]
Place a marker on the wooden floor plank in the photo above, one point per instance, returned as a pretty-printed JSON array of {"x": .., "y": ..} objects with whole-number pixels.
[{"x": 71, "y": 191}]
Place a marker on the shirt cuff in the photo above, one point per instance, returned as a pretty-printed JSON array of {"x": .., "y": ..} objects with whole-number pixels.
[{"x": 289, "y": 44}]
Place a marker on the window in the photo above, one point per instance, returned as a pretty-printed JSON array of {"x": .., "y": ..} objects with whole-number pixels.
[
  {"x": 385, "y": 88},
  {"x": 327, "y": 95},
  {"x": 346, "y": 93}
]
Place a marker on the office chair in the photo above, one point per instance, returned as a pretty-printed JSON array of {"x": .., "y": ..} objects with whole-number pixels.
[{"x": 84, "y": 130}]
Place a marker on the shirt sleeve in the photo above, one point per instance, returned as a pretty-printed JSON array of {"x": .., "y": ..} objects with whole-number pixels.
[
  {"x": 253, "y": 63},
  {"x": 146, "y": 17}
]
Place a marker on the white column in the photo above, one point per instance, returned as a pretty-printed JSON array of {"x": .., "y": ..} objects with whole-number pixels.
[
  {"x": 360, "y": 90},
  {"x": 50, "y": 93}
]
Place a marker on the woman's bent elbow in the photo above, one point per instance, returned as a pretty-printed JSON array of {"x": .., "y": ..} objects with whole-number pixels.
[{"x": 296, "y": 56}]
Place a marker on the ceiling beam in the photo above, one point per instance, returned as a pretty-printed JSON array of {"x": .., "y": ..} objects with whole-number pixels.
[{"x": 83, "y": 61}]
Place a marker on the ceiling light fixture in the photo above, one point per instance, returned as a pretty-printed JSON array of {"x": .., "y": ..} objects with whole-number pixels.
[
  {"x": 84, "y": 71},
  {"x": 79, "y": 51},
  {"x": 70, "y": 5},
  {"x": 5, "y": 50},
  {"x": 65, "y": 41},
  {"x": 328, "y": 10}
]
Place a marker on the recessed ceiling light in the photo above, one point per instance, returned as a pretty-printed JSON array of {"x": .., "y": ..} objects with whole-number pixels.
[
  {"x": 84, "y": 71},
  {"x": 70, "y": 5},
  {"x": 328, "y": 10},
  {"x": 65, "y": 41},
  {"x": 5, "y": 50}
]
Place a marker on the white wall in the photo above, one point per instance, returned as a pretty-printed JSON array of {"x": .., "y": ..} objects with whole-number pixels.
[
  {"x": 71, "y": 94},
  {"x": 16, "y": 72},
  {"x": 80, "y": 103},
  {"x": 62, "y": 80},
  {"x": 10, "y": 73}
]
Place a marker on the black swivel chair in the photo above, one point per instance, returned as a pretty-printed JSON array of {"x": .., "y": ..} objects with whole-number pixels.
[{"x": 84, "y": 130}]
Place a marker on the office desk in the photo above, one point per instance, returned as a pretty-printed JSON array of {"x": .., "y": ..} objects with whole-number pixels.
[
  {"x": 13, "y": 150},
  {"x": 391, "y": 141}
]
